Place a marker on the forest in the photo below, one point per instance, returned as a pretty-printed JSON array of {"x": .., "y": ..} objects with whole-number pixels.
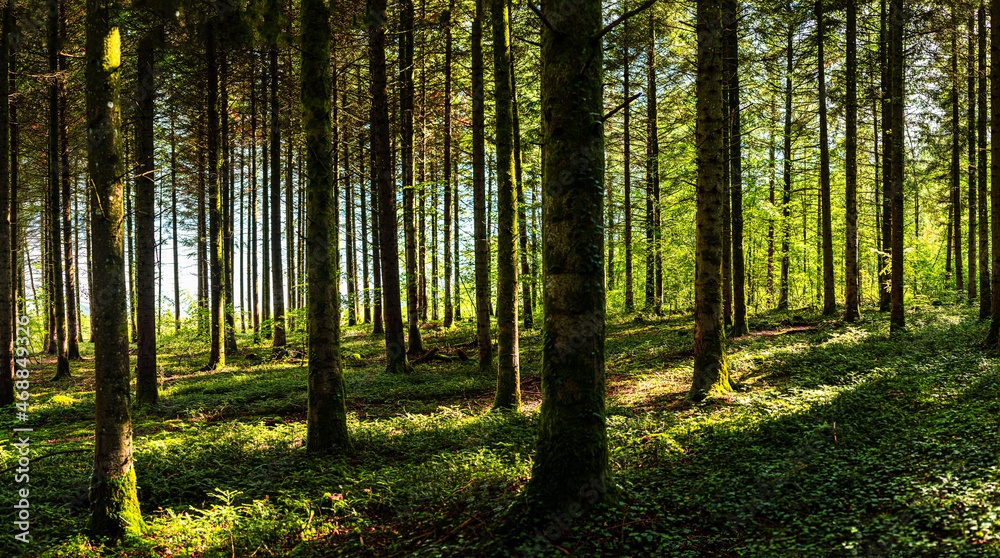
[{"x": 499, "y": 278}]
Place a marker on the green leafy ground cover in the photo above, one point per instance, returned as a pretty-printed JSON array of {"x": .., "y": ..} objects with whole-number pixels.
[{"x": 841, "y": 442}]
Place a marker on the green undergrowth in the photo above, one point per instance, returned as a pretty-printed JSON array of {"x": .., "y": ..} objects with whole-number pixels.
[{"x": 841, "y": 441}]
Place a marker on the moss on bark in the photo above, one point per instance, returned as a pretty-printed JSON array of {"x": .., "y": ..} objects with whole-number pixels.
[{"x": 115, "y": 511}]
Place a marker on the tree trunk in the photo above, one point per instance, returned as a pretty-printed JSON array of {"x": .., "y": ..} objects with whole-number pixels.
[
  {"x": 449, "y": 313},
  {"x": 571, "y": 470},
  {"x": 146, "y": 392},
  {"x": 736, "y": 171},
  {"x": 114, "y": 503},
  {"x": 522, "y": 227},
  {"x": 254, "y": 293},
  {"x": 69, "y": 267},
  {"x": 627, "y": 176},
  {"x": 995, "y": 168},
  {"x": 377, "y": 322},
  {"x": 352, "y": 316},
  {"x": 985, "y": 281},
  {"x": 711, "y": 373},
  {"x": 173, "y": 213},
  {"x": 395, "y": 343},
  {"x": 508, "y": 395},
  {"x": 409, "y": 228},
  {"x": 277, "y": 284},
  {"x": 7, "y": 317},
  {"x": 56, "y": 91},
  {"x": 956, "y": 169},
  {"x": 895, "y": 55},
  {"x": 217, "y": 355},
  {"x": 852, "y": 296},
  {"x": 265, "y": 271},
  {"x": 885, "y": 273},
  {"x": 771, "y": 164},
  {"x": 203, "y": 309},
  {"x": 829, "y": 293},
  {"x": 479, "y": 198},
  {"x": 971, "y": 142},
  {"x": 653, "y": 161},
  {"x": 786, "y": 162},
  {"x": 327, "y": 416},
  {"x": 226, "y": 184}
]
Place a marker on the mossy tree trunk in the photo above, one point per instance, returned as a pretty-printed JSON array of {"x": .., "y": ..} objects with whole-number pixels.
[
  {"x": 395, "y": 343},
  {"x": 145, "y": 193},
  {"x": 571, "y": 472},
  {"x": 852, "y": 297},
  {"x": 508, "y": 395},
  {"x": 217, "y": 354},
  {"x": 327, "y": 416},
  {"x": 481, "y": 232},
  {"x": 114, "y": 504},
  {"x": 711, "y": 374}
]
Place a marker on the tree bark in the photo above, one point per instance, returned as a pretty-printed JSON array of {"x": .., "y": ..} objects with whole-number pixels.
[
  {"x": 897, "y": 320},
  {"x": 956, "y": 170},
  {"x": 217, "y": 355},
  {"x": 327, "y": 415},
  {"x": 481, "y": 232},
  {"x": 786, "y": 162},
  {"x": 395, "y": 343},
  {"x": 146, "y": 392},
  {"x": 852, "y": 296},
  {"x": 829, "y": 294},
  {"x": 711, "y": 372},
  {"x": 114, "y": 503},
  {"x": 985, "y": 281},
  {"x": 449, "y": 313},
  {"x": 971, "y": 142},
  {"x": 571, "y": 470},
  {"x": 406, "y": 147},
  {"x": 508, "y": 395},
  {"x": 277, "y": 281},
  {"x": 7, "y": 262},
  {"x": 736, "y": 171},
  {"x": 627, "y": 175},
  {"x": 885, "y": 272},
  {"x": 56, "y": 91}
]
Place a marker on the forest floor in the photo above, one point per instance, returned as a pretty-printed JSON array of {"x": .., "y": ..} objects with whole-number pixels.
[{"x": 842, "y": 441}]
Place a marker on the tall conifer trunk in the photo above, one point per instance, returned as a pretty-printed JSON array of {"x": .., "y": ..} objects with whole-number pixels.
[
  {"x": 146, "y": 391},
  {"x": 985, "y": 281},
  {"x": 113, "y": 497},
  {"x": 829, "y": 294},
  {"x": 852, "y": 297},
  {"x": 483, "y": 338}
]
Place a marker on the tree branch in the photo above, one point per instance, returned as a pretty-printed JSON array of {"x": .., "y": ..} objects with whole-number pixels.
[
  {"x": 625, "y": 17},
  {"x": 621, "y": 106},
  {"x": 541, "y": 17}
]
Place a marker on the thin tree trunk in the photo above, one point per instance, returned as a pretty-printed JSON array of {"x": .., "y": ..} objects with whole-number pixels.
[
  {"x": 217, "y": 355},
  {"x": 885, "y": 273},
  {"x": 265, "y": 271},
  {"x": 7, "y": 314},
  {"x": 971, "y": 141},
  {"x": 852, "y": 297},
  {"x": 395, "y": 343},
  {"x": 736, "y": 173},
  {"x": 508, "y": 395},
  {"x": 627, "y": 164},
  {"x": 895, "y": 55},
  {"x": 985, "y": 280},
  {"x": 522, "y": 226},
  {"x": 479, "y": 198},
  {"x": 406, "y": 147},
  {"x": 449, "y": 315},
  {"x": 786, "y": 161},
  {"x": 226, "y": 184},
  {"x": 956, "y": 169},
  {"x": 72, "y": 318},
  {"x": 829, "y": 289},
  {"x": 277, "y": 284},
  {"x": 146, "y": 389},
  {"x": 653, "y": 159},
  {"x": 56, "y": 91}
]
